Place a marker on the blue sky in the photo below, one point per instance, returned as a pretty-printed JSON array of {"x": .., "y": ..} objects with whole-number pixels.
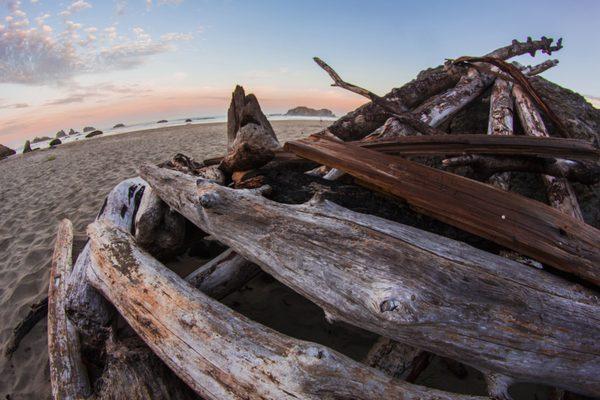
[{"x": 79, "y": 62}]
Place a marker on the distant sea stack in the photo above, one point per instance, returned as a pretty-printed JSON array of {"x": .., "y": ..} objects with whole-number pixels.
[
  {"x": 5, "y": 151},
  {"x": 27, "y": 147},
  {"x": 88, "y": 129},
  {"x": 60, "y": 134},
  {"x": 55, "y": 142},
  {"x": 71, "y": 132},
  {"x": 162, "y": 121},
  {"x": 119, "y": 126},
  {"x": 309, "y": 112},
  {"x": 188, "y": 120}
]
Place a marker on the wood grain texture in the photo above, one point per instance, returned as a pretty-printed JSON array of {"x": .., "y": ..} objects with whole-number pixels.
[
  {"x": 68, "y": 375},
  {"x": 218, "y": 352},
  {"x": 485, "y": 144},
  {"x": 501, "y": 122},
  {"x": 526, "y": 226},
  {"x": 406, "y": 284}
]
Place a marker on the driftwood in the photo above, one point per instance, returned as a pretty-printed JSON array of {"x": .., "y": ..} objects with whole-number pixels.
[
  {"x": 156, "y": 228},
  {"x": 251, "y": 141},
  {"x": 85, "y": 306},
  {"x": 485, "y": 144},
  {"x": 216, "y": 351},
  {"x": 406, "y": 284},
  {"x": 244, "y": 109},
  {"x": 560, "y": 193},
  {"x": 486, "y": 166},
  {"x": 68, "y": 376},
  {"x": 396, "y": 359},
  {"x": 366, "y": 119},
  {"x": 223, "y": 275},
  {"x": 513, "y": 221},
  {"x": 501, "y": 122}
]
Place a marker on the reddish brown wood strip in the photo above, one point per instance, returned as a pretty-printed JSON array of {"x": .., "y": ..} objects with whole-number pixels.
[
  {"x": 486, "y": 144},
  {"x": 522, "y": 224}
]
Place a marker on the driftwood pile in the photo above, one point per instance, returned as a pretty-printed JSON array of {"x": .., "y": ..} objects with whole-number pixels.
[{"x": 459, "y": 264}]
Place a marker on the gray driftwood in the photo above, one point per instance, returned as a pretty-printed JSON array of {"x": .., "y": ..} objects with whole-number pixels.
[
  {"x": 560, "y": 193},
  {"x": 501, "y": 122},
  {"x": 406, "y": 284},
  {"x": 85, "y": 306},
  {"x": 223, "y": 275},
  {"x": 68, "y": 375},
  {"x": 218, "y": 352}
]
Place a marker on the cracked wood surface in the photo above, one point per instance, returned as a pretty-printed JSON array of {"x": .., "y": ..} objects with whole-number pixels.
[
  {"x": 485, "y": 144},
  {"x": 218, "y": 352},
  {"x": 406, "y": 284},
  {"x": 524, "y": 225},
  {"x": 68, "y": 375}
]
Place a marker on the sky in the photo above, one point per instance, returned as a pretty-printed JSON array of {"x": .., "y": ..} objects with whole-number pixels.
[{"x": 73, "y": 63}]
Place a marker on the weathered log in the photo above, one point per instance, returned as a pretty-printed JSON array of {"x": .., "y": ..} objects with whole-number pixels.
[
  {"x": 560, "y": 193},
  {"x": 367, "y": 118},
  {"x": 501, "y": 122},
  {"x": 223, "y": 275},
  {"x": 521, "y": 224},
  {"x": 394, "y": 358},
  {"x": 522, "y": 82},
  {"x": 406, "y": 284},
  {"x": 244, "y": 109},
  {"x": 485, "y": 144},
  {"x": 68, "y": 376},
  {"x": 86, "y": 307},
  {"x": 134, "y": 372},
  {"x": 218, "y": 352},
  {"x": 441, "y": 107},
  {"x": 530, "y": 47},
  {"x": 486, "y": 166},
  {"x": 156, "y": 228}
]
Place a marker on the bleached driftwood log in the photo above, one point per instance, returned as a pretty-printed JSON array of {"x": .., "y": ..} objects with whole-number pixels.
[
  {"x": 68, "y": 375},
  {"x": 85, "y": 306},
  {"x": 223, "y": 275},
  {"x": 406, "y": 284},
  {"x": 560, "y": 193},
  {"x": 218, "y": 352},
  {"x": 156, "y": 228},
  {"x": 501, "y": 122}
]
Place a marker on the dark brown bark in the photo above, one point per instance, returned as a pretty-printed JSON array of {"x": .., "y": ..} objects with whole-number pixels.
[{"x": 485, "y": 144}]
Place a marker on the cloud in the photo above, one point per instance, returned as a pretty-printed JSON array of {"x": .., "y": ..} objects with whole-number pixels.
[
  {"x": 79, "y": 93},
  {"x": 13, "y": 106},
  {"x": 76, "y": 6},
  {"x": 174, "y": 36},
  {"x": 44, "y": 55}
]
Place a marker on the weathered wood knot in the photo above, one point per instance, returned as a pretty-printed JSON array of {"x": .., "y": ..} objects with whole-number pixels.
[{"x": 208, "y": 200}]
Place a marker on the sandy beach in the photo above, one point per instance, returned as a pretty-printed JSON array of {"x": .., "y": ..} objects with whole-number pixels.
[{"x": 39, "y": 189}]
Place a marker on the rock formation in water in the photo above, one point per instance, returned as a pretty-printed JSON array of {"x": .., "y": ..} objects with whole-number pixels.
[{"x": 309, "y": 112}]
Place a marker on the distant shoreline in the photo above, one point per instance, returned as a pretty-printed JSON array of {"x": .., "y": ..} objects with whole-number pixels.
[{"x": 149, "y": 126}]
